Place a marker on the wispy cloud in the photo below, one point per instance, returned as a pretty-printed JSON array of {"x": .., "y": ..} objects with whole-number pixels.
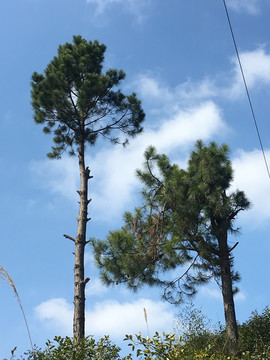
[
  {"x": 251, "y": 7},
  {"x": 108, "y": 317},
  {"x": 114, "y": 182},
  {"x": 171, "y": 130},
  {"x": 135, "y": 7},
  {"x": 159, "y": 93},
  {"x": 117, "y": 318},
  {"x": 251, "y": 176},
  {"x": 115, "y": 191},
  {"x": 240, "y": 296},
  {"x": 96, "y": 288},
  {"x": 216, "y": 294},
  {"x": 57, "y": 313},
  {"x": 59, "y": 176},
  {"x": 229, "y": 85},
  {"x": 211, "y": 293},
  {"x": 256, "y": 67}
]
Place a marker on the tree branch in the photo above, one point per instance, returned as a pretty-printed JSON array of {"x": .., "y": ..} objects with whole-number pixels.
[
  {"x": 111, "y": 126},
  {"x": 69, "y": 237},
  {"x": 233, "y": 247}
]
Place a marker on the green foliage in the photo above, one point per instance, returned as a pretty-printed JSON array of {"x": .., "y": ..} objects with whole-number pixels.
[
  {"x": 200, "y": 337},
  {"x": 197, "y": 332},
  {"x": 84, "y": 349},
  {"x": 76, "y": 101},
  {"x": 158, "y": 347},
  {"x": 183, "y": 224},
  {"x": 169, "y": 347},
  {"x": 193, "y": 327},
  {"x": 254, "y": 335},
  {"x": 184, "y": 215},
  {"x": 196, "y": 339}
]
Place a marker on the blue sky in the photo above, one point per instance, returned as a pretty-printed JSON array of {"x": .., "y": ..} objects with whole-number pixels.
[{"x": 179, "y": 58}]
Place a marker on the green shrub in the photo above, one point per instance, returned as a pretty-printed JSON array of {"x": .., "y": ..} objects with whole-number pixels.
[
  {"x": 197, "y": 332},
  {"x": 197, "y": 341},
  {"x": 159, "y": 347},
  {"x": 204, "y": 341},
  {"x": 254, "y": 335},
  {"x": 86, "y": 349}
]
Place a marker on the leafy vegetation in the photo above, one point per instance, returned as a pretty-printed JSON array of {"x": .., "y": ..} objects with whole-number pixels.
[
  {"x": 183, "y": 225},
  {"x": 254, "y": 335},
  {"x": 194, "y": 339},
  {"x": 83, "y": 349}
]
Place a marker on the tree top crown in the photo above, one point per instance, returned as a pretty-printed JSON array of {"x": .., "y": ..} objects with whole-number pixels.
[{"x": 75, "y": 100}]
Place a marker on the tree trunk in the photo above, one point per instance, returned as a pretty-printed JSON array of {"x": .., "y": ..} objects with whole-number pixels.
[
  {"x": 227, "y": 293},
  {"x": 80, "y": 242}
]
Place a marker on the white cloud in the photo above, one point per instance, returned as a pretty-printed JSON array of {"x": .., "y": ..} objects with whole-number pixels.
[
  {"x": 197, "y": 90},
  {"x": 59, "y": 176},
  {"x": 256, "y": 67},
  {"x": 251, "y": 7},
  {"x": 118, "y": 319},
  {"x": 57, "y": 313},
  {"x": 199, "y": 122},
  {"x": 211, "y": 293},
  {"x": 95, "y": 287},
  {"x": 229, "y": 85},
  {"x": 88, "y": 258},
  {"x": 114, "y": 167},
  {"x": 136, "y": 7},
  {"x": 152, "y": 89},
  {"x": 109, "y": 317},
  {"x": 116, "y": 177},
  {"x": 171, "y": 130},
  {"x": 240, "y": 296},
  {"x": 250, "y": 175},
  {"x": 217, "y": 294}
]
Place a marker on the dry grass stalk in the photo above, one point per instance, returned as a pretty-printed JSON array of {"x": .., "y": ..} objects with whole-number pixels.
[
  {"x": 5, "y": 276},
  {"x": 146, "y": 321}
]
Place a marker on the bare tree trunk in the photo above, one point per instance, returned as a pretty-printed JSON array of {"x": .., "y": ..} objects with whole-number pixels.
[
  {"x": 80, "y": 242},
  {"x": 228, "y": 301}
]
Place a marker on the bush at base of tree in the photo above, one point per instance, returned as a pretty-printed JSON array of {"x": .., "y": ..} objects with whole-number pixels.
[
  {"x": 203, "y": 341},
  {"x": 254, "y": 335},
  {"x": 86, "y": 349},
  {"x": 197, "y": 331},
  {"x": 197, "y": 341}
]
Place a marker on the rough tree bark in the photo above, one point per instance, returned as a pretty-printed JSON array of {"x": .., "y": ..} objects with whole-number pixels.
[
  {"x": 227, "y": 294},
  {"x": 80, "y": 242}
]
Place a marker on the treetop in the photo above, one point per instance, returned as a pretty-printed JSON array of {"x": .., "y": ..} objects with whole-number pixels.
[{"x": 76, "y": 101}]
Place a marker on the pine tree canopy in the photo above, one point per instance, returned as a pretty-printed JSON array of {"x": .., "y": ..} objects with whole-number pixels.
[
  {"x": 174, "y": 240},
  {"x": 77, "y": 102}
]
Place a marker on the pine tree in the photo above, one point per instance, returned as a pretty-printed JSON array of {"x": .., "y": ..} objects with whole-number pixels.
[
  {"x": 183, "y": 223},
  {"x": 75, "y": 101}
]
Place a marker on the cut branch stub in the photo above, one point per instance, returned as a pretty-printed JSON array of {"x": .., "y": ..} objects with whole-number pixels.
[
  {"x": 69, "y": 237},
  {"x": 86, "y": 280},
  {"x": 87, "y": 172}
]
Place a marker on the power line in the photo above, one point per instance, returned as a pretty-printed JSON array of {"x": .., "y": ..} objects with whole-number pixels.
[{"x": 246, "y": 87}]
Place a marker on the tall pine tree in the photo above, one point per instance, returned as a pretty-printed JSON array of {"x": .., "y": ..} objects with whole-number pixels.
[
  {"x": 183, "y": 223},
  {"x": 79, "y": 103}
]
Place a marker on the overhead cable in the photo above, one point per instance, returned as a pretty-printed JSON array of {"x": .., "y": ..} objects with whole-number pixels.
[{"x": 246, "y": 87}]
